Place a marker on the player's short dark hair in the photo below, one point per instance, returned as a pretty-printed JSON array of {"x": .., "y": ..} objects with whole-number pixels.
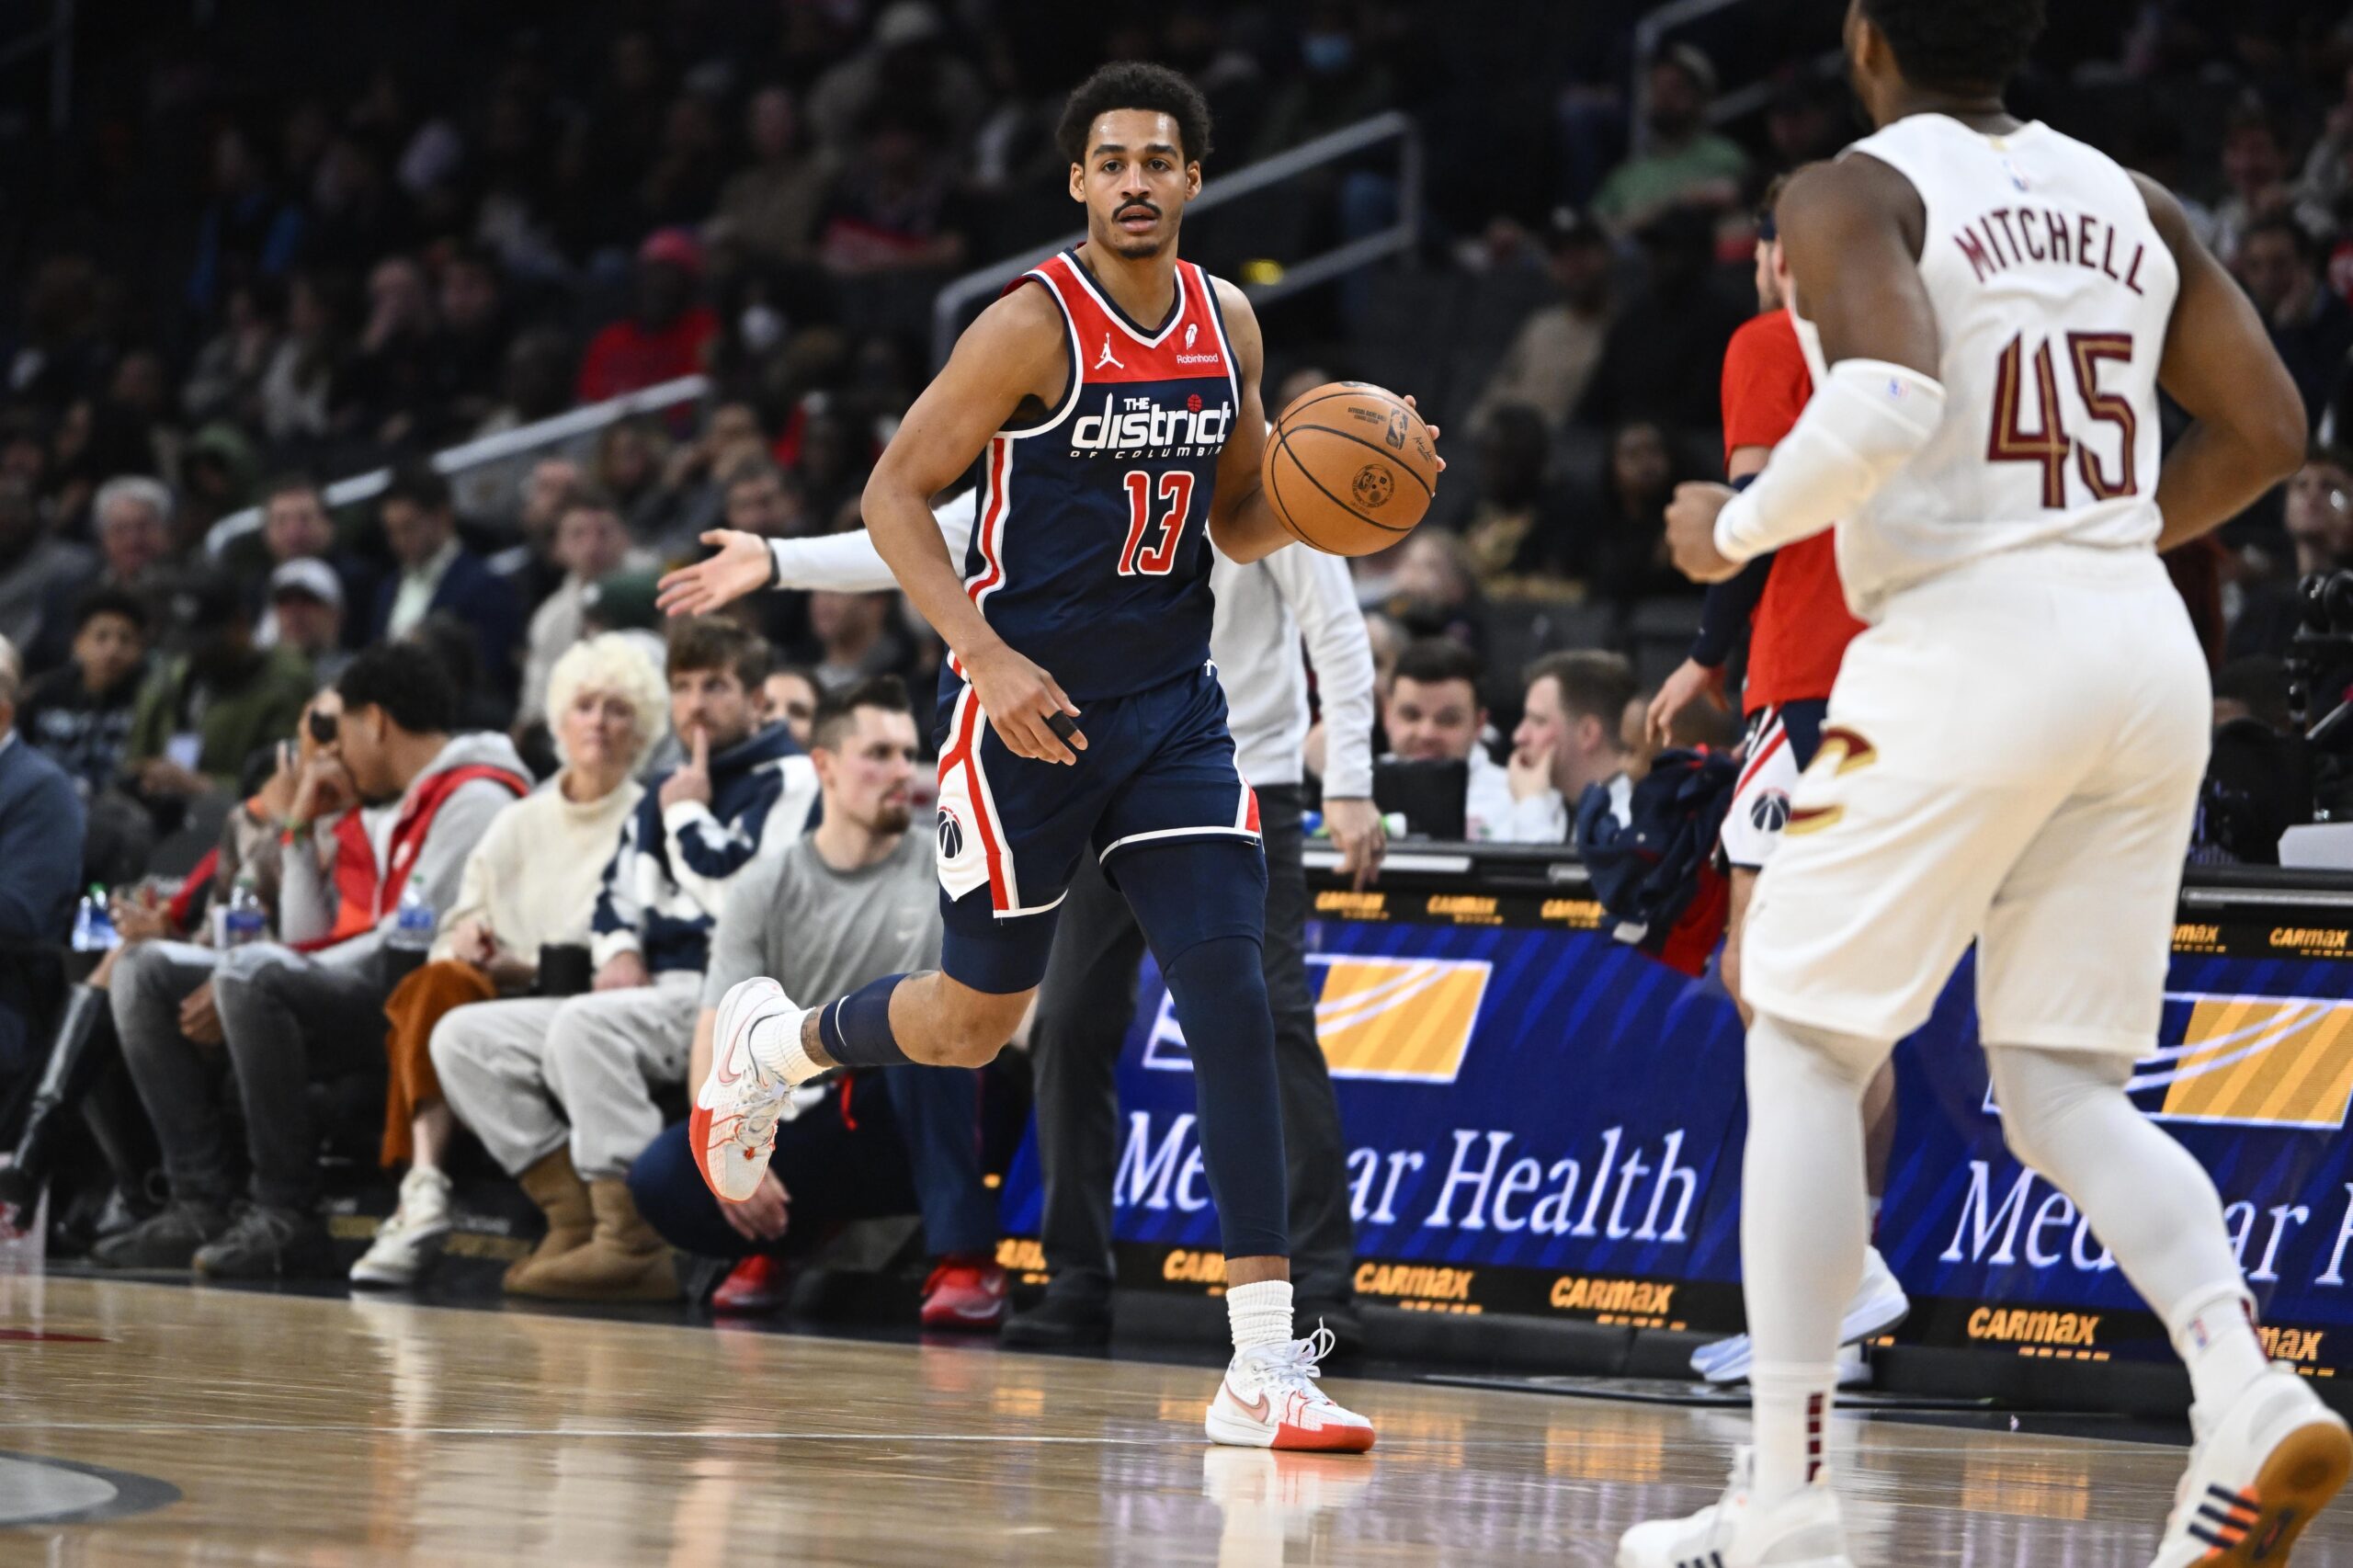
[
  {"x": 2306, "y": 244},
  {"x": 836, "y": 710},
  {"x": 711, "y": 642},
  {"x": 1977, "y": 44},
  {"x": 1432, "y": 661},
  {"x": 1593, "y": 684},
  {"x": 418, "y": 483},
  {"x": 102, "y": 600},
  {"x": 407, "y": 681},
  {"x": 1135, "y": 83}
]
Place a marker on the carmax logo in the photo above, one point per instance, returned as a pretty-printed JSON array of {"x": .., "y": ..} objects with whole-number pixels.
[
  {"x": 2250, "y": 1061},
  {"x": 1398, "y": 1019}
]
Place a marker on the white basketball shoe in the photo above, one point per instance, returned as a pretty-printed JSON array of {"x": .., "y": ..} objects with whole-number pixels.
[
  {"x": 1878, "y": 1306},
  {"x": 1269, "y": 1400},
  {"x": 2262, "y": 1467},
  {"x": 732, "y": 1127},
  {"x": 1801, "y": 1530}
]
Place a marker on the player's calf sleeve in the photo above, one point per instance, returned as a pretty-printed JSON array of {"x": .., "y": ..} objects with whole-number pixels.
[
  {"x": 1803, "y": 1224},
  {"x": 856, "y": 1030},
  {"x": 2150, "y": 1202},
  {"x": 1219, "y": 989}
]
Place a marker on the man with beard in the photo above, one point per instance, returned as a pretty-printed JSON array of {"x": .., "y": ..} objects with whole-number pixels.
[
  {"x": 1683, "y": 163},
  {"x": 392, "y": 807},
  {"x": 221, "y": 700}
]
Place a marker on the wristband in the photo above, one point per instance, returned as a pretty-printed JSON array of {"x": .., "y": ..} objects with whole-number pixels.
[{"x": 775, "y": 565}]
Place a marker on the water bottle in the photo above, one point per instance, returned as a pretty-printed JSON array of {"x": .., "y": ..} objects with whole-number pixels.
[
  {"x": 93, "y": 925},
  {"x": 414, "y": 924},
  {"x": 242, "y": 919}
]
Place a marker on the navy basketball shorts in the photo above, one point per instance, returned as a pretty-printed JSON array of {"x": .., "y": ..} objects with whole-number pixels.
[{"x": 1158, "y": 770}]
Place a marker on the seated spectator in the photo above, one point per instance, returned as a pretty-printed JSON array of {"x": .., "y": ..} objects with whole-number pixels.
[
  {"x": 1685, "y": 163},
  {"x": 1572, "y": 737},
  {"x": 295, "y": 527},
  {"x": 410, "y": 800},
  {"x": 40, "y": 576},
  {"x": 41, "y": 871},
  {"x": 854, "y": 638},
  {"x": 855, "y": 899},
  {"x": 2319, "y": 516},
  {"x": 2279, "y": 262},
  {"x": 590, "y": 544},
  {"x": 437, "y": 573},
  {"x": 133, "y": 517},
  {"x": 562, "y": 1091},
  {"x": 1518, "y": 525},
  {"x": 529, "y": 885},
  {"x": 1663, "y": 356},
  {"x": 790, "y": 695},
  {"x": 1434, "y": 591},
  {"x": 893, "y": 208},
  {"x": 306, "y": 607},
  {"x": 664, "y": 335},
  {"x": 1625, "y": 526},
  {"x": 203, "y": 713},
  {"x": 630, "y": 456},
  {"x": 1432, "y": 713},
  {"x": 1552, "y": 356},
  {"x": 545, "y": 494},
  {"x": 774, "y": 201},
  {"x": 80, "y": 713}
]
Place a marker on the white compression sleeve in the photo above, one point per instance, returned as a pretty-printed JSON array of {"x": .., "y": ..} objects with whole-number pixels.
[{"x": 1866, "y": 420}]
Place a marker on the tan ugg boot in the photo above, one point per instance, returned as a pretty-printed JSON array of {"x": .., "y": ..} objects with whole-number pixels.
[
  {"x": 564, "y": 1198},
  {"x": 624, "y": 1260}
]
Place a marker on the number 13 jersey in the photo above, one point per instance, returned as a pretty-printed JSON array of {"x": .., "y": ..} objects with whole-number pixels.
[
  {"x": 2051, "y": 290},
  {"x": 1090, "y": 550}
]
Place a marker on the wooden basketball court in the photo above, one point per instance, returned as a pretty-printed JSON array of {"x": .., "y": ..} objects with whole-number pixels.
[{"x": 153, "y": 1423}]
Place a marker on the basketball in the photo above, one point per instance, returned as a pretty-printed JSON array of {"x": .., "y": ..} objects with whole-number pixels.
[{"x": 1350, "y": 469}]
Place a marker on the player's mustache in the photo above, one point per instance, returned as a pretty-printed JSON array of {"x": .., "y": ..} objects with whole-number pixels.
[{"x": 1146, "y": 207}]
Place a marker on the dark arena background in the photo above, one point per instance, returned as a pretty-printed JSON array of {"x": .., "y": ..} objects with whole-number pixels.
[{"x": 367, "y": 372}]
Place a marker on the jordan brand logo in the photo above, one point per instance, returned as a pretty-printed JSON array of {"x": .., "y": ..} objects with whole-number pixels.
[{"x": 1108, "y": 357}]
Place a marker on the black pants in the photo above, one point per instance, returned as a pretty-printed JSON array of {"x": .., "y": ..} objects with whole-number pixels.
[{"x": 1084, "y": 1008}]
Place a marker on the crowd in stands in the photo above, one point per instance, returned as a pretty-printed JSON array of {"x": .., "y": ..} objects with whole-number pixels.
[{"x": 235, "y": 279}]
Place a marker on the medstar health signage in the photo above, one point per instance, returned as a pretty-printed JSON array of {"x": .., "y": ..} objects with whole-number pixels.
[{"x": 1542, "y": 1121}]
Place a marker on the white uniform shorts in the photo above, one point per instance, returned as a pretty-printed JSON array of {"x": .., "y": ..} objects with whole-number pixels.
[
  {"x": 2012, "y": 757},
  {"x": 1768, "y": 776}
]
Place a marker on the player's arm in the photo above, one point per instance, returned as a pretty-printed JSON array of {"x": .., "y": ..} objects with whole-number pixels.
[
  {"x": 2248, "y": 429},
  {"x": 1241, "y": 523},
  {"x": 1850, "y": 232},
  {"x": 841, "y": 564},
  {"x": 1013, "y": 351}
]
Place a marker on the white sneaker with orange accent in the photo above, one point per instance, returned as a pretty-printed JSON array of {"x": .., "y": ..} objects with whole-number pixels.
[
  {"x": 732, "y": 1127},
  {"x": 1269, "y": 1400},
  {"x": 2262, "y": 1467}
]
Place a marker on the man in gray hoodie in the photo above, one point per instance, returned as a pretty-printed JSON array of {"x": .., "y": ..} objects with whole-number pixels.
[{"x": 413, "y": 800}]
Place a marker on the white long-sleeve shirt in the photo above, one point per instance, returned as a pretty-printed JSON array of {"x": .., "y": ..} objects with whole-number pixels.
[{"x": 1263, "y": 611}]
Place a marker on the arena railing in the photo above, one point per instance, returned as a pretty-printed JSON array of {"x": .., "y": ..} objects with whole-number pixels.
[
  {"x": 959, "y": 301},
  {"x": 492, "y": 457}
]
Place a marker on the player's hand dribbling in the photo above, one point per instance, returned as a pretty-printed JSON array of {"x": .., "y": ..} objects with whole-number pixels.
[
  {"x": 742, "y": 566},
  {"x": 1021, "y": 700},
  {"x": 1691, "y": 532}
]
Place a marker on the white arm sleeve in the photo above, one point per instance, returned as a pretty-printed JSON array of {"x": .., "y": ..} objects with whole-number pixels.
[
  {"x": 848, "y": 563},
  {"x": 1323, "y": 597},
  {"x": 1867, "y": 420}
]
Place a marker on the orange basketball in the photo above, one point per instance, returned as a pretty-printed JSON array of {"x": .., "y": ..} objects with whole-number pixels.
[{"x": 1350, "y": 469}]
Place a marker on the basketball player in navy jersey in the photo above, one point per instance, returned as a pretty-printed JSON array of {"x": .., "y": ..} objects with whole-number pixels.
[{"x": 1110, "y": 398}]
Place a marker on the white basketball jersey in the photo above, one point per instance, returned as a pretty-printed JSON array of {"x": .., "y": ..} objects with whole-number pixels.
[{"x": 2052, "y": 292}]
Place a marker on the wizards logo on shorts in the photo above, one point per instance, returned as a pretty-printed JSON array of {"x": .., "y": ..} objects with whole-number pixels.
[
  {"x": 1770, "y": 812},
  {"x": 1398, "y": 1019},
  {"x": 951, "y": 835},
  {"x": 2284, "y": 1062}
]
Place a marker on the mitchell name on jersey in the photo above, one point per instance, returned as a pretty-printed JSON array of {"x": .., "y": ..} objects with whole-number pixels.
[{"x": 2017, "y": 235}]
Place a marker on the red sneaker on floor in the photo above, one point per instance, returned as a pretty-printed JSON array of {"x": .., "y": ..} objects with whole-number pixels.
[
  {"x": 759, "y": 1284},
  {"x": 966, "y": 1294}
]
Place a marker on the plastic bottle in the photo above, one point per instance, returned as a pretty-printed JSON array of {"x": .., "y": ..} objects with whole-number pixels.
[
  {"x": 414, "y": 924},
  {"x": 93, "y": 929},
  {"x": 243, "y": 918}
]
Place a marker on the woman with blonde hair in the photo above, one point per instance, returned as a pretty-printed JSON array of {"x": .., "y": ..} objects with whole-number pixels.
[{"x": 531, "y": 883}]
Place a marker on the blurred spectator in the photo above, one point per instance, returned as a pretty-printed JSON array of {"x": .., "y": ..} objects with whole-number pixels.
[
  {"x": 302, "y": 384},
  {"x": 132, "y": 519},
  {"x": 225, "y": 380},
  {"x": 38, "y": 575},
  {"x": 1553, "y": 356},
  {"x": 908, "y": 62},
  {"x": 854, "y": 900},
  {"x": 203, "y": 713},
  {"x": 437, "y": 573},
  {"x": 468, "y": 346},
  {"x": 306, "y": 611},
  {"x": 80, "y": 713},
  {"x": 681, "y": 184},
  {"x": 854, "y": 638},
  {"x": 2324, "y": 190},
  {"x": 790, "y": 697},
  {"x": 295, "y": 527},
  {"x": 1436, "y": 590},
  {"x": 528, "y": 885},
  {"x": 392, "y": 380},
  {"x": 1683, "y": 163},
  {"x": 1518, "y": 525},
  {"x": 2255, "y": 164},
  {"x": 590, "y": 544},
  {"x": 774, "y": 202},
  {"x": 1626, "y": 527},
  {"x": 628, "y": 469},
  {"x": 41, "y": 870},
  {"x": 247, "y": 231},
  {"x": 218, "y": 467},
  {"x": 759, "y": 500},
  {"x": 1335, "y": 86},
  {"x": 2319, "y": 515},
  {"x": 2279, "y": 261},
  {"x": 1665, "y": 350},
  {"x": 664, "y": 335},
  {"x": 562, "y": 1091},
  {"x": 1432, "y": 713},
  {"x": 547, "y": 490},
  {"x": 1572, "y": 737},
  {"x": 412, "y": 801},
  {"x": 893, "y": 206}
]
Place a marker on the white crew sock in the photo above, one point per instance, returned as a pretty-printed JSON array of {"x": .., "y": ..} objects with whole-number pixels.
[
  {"x": 2065, "y": 1113},
  {"x": 776, "y": 1046},
  {"x": 1260, "y": 1313},
  {"x": 1802, "y": 1226}
]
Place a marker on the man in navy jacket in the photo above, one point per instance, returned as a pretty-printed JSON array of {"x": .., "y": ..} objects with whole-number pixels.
[
  {"x": 41, "y": 862},
  {"x": 435, "y": 573}
]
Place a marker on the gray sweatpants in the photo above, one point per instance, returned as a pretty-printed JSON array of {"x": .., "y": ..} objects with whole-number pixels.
[
  {"x": 531, "y": 1075},
  {"x": 287, "y": 1019}
]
